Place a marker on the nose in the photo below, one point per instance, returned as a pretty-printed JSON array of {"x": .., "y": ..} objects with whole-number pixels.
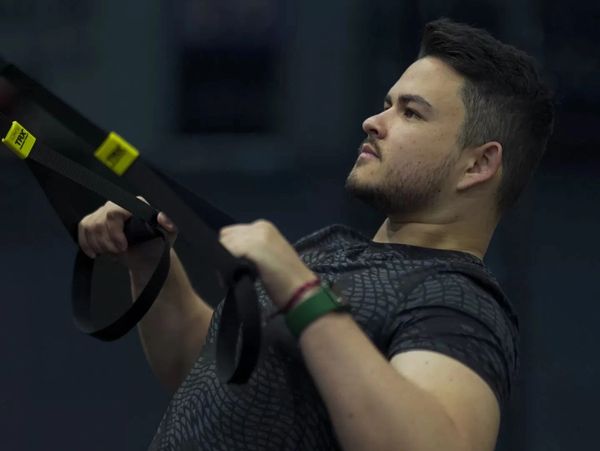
[{"x": 373, "y": 126}]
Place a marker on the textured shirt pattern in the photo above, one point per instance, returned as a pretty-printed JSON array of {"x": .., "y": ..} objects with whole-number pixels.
[{"x": 403, "y": 297}]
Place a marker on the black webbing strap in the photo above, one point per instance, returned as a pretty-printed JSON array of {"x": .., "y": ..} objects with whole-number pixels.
[
  {"x": 145, "y": 227},
  {"x": 157, "y": 188},
  {"x": 241, "y": 339},
  {"x": 81, "y": 289},
  {"x": 242, "y": 325}
]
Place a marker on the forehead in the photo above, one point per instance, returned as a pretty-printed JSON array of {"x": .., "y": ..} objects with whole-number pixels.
[{"x": 433, "y": 80}]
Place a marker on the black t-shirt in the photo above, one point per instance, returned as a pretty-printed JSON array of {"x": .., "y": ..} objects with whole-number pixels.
[{"x": 403, "y": 297}]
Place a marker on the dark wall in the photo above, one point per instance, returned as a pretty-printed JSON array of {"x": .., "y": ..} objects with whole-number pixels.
[{"x": 330, "y": 64}]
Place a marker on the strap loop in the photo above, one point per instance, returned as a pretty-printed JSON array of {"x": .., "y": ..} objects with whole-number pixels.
[{"x": 196, "y": 219}]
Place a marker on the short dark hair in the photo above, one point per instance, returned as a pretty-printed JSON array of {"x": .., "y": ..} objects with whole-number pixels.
[{"x": 504, "y": 96}]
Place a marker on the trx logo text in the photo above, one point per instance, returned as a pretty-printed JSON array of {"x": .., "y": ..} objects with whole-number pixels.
[{"x": 21, "y": 138}]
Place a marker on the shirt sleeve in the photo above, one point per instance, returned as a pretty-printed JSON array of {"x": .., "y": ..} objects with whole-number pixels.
[{"x": 450, "y": 314}]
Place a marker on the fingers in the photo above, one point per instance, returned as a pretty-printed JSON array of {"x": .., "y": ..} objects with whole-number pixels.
[
  {"x": 166, "y": 223},
  {"x": 163, "y": 220},
  {"x": 115, "y": 239},
  {"x": 82, "y": 239},
  {"x": 235, "y": 238},
  {"x": 102, "y": 231}
]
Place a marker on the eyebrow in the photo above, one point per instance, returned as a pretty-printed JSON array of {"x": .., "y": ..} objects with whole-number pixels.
[{"x": 407, "y": 98}]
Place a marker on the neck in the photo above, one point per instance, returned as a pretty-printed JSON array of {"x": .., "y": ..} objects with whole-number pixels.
[{"x": 471, "y": 236}]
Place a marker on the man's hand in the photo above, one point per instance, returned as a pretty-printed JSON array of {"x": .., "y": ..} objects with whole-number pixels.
[
  {"x": 101, "y": 232},
  {"x": 279, "y": 266}
]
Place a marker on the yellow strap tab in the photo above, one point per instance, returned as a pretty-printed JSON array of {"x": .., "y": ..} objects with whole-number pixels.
[
  {"x": 19, "y": 140},
  {"x": 116, "y": 153}
]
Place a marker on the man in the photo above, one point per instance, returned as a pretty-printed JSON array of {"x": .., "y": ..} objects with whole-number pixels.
[{"x": 426, "y": 356}]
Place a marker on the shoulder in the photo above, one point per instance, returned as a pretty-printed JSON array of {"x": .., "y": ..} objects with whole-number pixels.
[
  {"x": 460, "y": 311},
  {"x": 467, "y": 287}
]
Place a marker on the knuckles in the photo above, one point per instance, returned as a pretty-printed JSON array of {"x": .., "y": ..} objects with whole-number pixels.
[
  {"x": 265, "y": 230},
  {"x": 112, "y": 215},
  {"x": 99, "y": 231},
  {"x": 264, "y": 226},
  {"x": 97, "y": 227}
]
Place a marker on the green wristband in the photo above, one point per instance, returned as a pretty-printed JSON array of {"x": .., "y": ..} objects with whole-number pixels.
[{"x": 319, "y": 304}]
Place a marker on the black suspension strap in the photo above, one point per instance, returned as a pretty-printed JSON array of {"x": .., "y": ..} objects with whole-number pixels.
[
  {"x": 238, "y": 341},
  {"x": 145, "y": 227},
  {"x": 119, "y": 156}
]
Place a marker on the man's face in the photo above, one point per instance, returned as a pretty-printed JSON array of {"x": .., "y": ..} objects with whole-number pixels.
[{"x": 415, "y": 139}]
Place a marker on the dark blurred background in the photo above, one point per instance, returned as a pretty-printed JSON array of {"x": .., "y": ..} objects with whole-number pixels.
[{"x": 257, "y": 105}]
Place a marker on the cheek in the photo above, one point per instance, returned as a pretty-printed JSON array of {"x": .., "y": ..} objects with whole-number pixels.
[
  {"x": 436, "y": 138},
  {"x": 416, "y": 161},
  {"x": 408, "y": 146},
  {"x": 418, "y": 147},
  {"x": 404, "y": 167}
]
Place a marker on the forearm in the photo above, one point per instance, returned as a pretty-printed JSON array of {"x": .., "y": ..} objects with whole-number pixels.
[
  {"x": 174, "y": 329},
  {"x": 371, "y": 405}
]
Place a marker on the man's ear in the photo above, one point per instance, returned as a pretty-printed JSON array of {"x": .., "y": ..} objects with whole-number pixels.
[{"x": 482, "y": 164}]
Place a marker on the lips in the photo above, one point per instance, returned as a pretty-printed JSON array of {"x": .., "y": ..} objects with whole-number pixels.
[{"x": 368, "y": 149}]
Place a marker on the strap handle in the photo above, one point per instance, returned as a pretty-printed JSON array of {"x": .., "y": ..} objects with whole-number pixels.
[
  {"x": 183, "y": 207},
  {"x": 136, "y": 231}
]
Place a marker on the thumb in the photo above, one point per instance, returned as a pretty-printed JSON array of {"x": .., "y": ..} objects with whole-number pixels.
[
  {"x": 163, "y": 219},
  {"x": 166, "y": 223}
]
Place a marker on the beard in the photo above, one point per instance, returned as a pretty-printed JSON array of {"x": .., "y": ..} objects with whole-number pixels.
[{"x": 398, "y": 191}]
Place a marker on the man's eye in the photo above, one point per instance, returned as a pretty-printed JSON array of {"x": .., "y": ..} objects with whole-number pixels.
[{"x": 411, "y": 113}]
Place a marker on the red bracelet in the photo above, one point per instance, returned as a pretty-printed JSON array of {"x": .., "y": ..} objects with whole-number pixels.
[{"x": 299, "y": 293}]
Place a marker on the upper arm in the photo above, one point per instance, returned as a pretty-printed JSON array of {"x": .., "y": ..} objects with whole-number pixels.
[{"x": 466, "y": 397}]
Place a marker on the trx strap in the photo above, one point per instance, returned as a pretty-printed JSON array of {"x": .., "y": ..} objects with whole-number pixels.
[
  {"x": 238, "y": 338},
  {"x": 119, "y": 156},
  {"x": 26, "y": 146}
]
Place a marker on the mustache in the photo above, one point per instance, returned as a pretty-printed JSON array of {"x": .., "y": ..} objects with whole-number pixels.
[{"x": 371, "y": 141}]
